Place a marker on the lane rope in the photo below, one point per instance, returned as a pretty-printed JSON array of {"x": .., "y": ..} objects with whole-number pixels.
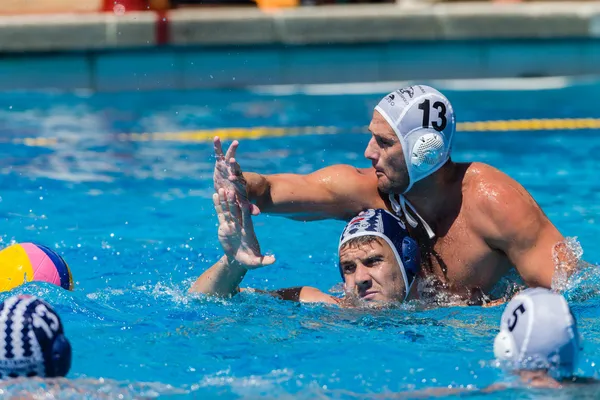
[{"x": 206, "y": 135}]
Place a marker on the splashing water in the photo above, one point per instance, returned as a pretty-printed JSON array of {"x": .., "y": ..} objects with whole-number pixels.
[
  {"x": 566, "y": 254},
  {"x": 432, "y": 292},
  {"x": 36, "y": 388}
]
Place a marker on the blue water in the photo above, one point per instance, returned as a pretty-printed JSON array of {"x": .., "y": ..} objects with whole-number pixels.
[{"x": 135, "y": 222}]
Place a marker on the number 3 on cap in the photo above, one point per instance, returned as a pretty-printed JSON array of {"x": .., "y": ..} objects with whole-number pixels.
[{"x": 441, "y": 109}]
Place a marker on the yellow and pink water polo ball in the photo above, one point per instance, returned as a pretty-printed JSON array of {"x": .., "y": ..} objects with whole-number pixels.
[{"x": 26, "y": 262}]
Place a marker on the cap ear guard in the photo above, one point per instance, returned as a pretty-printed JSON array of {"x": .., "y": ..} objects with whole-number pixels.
[
  {"x": 505, "y": 348},
  {"x": 59, "y": 358},
  {"x": 427, "y": 151}
]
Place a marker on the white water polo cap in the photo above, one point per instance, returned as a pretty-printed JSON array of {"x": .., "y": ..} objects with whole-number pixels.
[
  {"x": 424, "y": 122},
  {"x": 538, "y": 331}
]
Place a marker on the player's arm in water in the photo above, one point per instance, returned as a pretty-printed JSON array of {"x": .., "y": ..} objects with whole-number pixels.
[
  {"x": 338, "y": 191},
  {"x": 242, "y": 253},
  {"x": 510, "y": 221}
]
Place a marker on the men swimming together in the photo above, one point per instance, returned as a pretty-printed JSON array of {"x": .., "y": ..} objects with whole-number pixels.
[
  {"x": 378, "y": 260},
  {"x": 473, "y": 223}
]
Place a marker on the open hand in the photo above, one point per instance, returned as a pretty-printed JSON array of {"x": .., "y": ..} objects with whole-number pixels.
[
  {"x": 236, "y": 231},
  {"x": 228, "y": 174}
]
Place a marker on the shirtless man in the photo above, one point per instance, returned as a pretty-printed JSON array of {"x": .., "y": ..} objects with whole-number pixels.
[{"x": 473, "y": 223}]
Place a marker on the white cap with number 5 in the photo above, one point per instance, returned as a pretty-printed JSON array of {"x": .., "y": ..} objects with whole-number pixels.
[{"x": 539, "y": 332}]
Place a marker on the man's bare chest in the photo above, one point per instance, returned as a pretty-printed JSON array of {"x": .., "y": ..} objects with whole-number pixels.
[{"x": 460, "y": 258}]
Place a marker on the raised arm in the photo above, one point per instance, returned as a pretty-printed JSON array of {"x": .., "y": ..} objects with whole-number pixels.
[
  {"x": 338, "y": 191},
  {"x": 222, "y": 279},
  {"x": 242, "y": 251}
]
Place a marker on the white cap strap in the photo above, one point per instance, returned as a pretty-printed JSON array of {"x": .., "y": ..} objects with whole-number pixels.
[{"x": 400, "y": 209}]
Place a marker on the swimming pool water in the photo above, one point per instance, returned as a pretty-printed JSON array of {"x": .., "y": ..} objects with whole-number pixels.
[{"x": 135, "y": 222}]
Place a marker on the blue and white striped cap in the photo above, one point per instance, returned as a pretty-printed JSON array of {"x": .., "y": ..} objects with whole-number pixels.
[{"x": 32, "y": 340}]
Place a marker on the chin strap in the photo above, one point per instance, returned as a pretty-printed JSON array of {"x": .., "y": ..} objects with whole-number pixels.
[{"x": 400, "y": 209}]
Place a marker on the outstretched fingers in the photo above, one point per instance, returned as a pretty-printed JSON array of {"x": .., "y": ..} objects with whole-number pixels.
[
  {"x": 234, "y": 207},
  {"x": 218, "y": 208},
  {"x": 218, "y": 147},
  {"x": 224, "y": 206},
  {"x": 235, "y": 170},
  {"x": 231, "y": 150}
]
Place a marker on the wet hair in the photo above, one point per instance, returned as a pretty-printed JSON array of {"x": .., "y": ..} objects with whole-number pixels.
[{"x": 360, "y": 241}]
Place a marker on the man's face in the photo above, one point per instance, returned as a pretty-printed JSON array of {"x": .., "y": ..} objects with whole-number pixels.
[
  {"x": 385, "y": 152},
  {"x": 371, "y": 272}
]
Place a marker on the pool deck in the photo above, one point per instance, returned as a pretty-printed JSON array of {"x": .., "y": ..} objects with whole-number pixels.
[{"x": 233, "y": 47}]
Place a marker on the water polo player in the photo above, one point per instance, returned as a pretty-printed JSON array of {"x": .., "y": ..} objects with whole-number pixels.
[
  {"x": 539, "y": 339},
  {"x": 32, "y": 339},
  {"x": 473, "y": 222},
  {"x": 378, "y": 261}
]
